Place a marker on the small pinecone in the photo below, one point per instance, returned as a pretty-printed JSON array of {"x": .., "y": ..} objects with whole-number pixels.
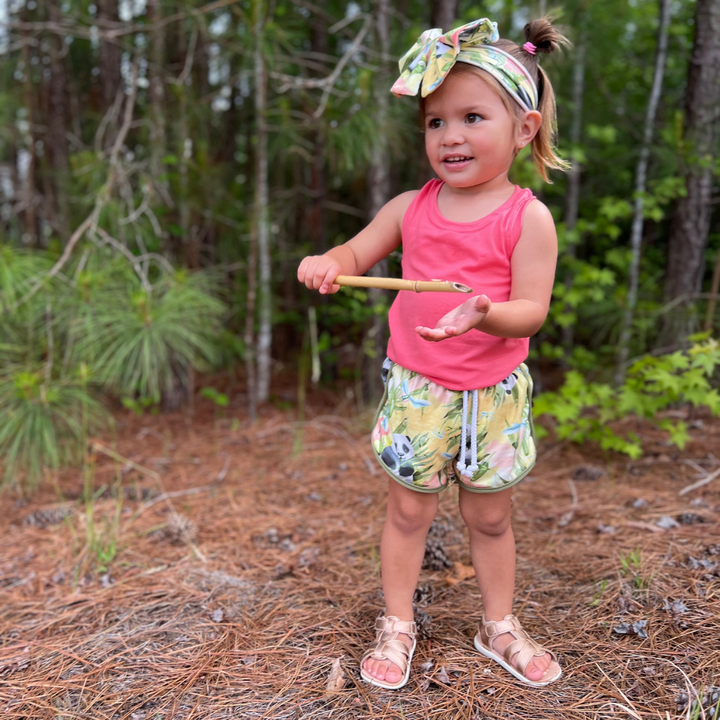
[
  {"x": 588, "y": 472},
  {"x": 423, "y": 621},
  {"x": 441, "y": 529},
  {"x": 709, "y": 701},
  {"x": 50, "y": 516},
  {"x": 436, "y": 557},
  {"x": 423, "y": 595},
  {"x": 179, "y": 530}
]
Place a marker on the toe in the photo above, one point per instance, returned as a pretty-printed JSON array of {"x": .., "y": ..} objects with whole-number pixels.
[
  {"x": 537, "y": 667},
  {"x": 533, "y": 671}
]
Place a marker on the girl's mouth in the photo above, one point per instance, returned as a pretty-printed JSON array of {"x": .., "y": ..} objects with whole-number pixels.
[
  {"x": 457, "y": 159},
  {"x": 457, "y": 162}
]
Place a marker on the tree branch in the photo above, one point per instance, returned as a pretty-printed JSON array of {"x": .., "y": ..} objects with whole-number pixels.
[{"x": 91, "y": 220}]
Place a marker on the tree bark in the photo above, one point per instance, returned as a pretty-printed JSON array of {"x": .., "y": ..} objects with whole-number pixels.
[
  {"x": 714, "y": 288},
  {"x": 572, "y": 198},
  {"x": 28, "y": 191},
  {"x": 640, "y": 185},
  {"x": 57, "y": 129},
  {"x": 110, "y": 56},
  {"x": 318, "y": 180},
  {"x": 444, "y": 13},
  {"x": 690, "y": 224},
  {"x": 378, "y": 196},
  {"x": 262, "y": 226},
  {"x": 156, "y": 89}
]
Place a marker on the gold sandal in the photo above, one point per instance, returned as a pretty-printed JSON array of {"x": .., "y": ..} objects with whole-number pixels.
[
  {"x": 388, "y": 646},
  {"x": 523, "y": 645}
]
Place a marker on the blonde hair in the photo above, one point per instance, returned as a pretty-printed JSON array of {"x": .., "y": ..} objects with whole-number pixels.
[{"x": 546, "y": 39}]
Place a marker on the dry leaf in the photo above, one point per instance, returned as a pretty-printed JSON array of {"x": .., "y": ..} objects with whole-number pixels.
[
  {"x": 462, "y": 572},
  {"x": 336, "y": 680}
]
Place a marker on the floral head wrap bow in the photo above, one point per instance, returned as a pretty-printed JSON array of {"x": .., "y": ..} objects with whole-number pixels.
[{"x": 431, "y": 58}]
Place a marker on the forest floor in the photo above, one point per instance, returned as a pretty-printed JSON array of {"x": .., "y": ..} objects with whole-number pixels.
[{"x": 223, "y": 570}]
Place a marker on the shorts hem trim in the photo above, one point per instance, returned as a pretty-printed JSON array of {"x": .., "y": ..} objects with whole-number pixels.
[
  {"x": 415, "y": 488},
  {"x": 520, "y": 477}
]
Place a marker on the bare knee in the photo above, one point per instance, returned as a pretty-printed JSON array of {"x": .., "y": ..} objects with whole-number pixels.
[
  {"x": 491, "y": 522},
  {"x": 412, "y": 512}
]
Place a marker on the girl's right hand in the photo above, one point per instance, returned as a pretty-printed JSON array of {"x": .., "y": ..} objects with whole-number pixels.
[{"x": 318, "y": 273}]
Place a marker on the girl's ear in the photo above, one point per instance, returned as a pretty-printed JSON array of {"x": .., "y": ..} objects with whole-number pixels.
[{"x": 528, "y": 128}]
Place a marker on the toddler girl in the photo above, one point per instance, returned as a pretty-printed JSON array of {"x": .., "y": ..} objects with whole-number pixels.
[{"x": 457, "y": 405}]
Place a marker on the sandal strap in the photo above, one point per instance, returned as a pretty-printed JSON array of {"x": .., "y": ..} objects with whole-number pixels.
[
  {"x": 393, "y": 624},
  {"x": 387, "y": 645},
  {"x": 523, "y": 645},
  {"x": 509, "y": 623}
]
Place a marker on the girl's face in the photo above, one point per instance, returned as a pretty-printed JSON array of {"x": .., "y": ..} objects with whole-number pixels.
[{"x": 470, "y": 136}]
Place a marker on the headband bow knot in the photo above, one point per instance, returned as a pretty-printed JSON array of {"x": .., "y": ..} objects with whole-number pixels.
[{"x": 428, "y": 62}]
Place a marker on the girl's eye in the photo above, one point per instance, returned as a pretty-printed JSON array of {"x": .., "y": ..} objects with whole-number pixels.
[
  {"x": 474, "y": 118},
  {"x": 434, "y": 123}
]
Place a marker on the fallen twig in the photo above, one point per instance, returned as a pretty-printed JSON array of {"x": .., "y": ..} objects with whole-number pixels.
[{"x": 700, "y": 483}]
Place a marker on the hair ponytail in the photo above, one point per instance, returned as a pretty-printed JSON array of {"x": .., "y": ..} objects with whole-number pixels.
[{"x": 544, "y": 38}]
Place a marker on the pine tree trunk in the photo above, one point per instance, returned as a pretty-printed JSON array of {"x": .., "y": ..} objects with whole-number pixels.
[
  {"x": 640, "y": 185},
  {"x": 184, "y": 153},
  {"x": 444, "y": 14},
  {"x": 714, "y": 288},
  {"x": 690, "y": 224},
  {"x": 572, "y": 198},
  {"x": 378, "y": 196},
  {"x": 318, "y": 180},
  {"x": 262, "y": 229},
  {"x": 28, "y": 190},
  {"x": 156, "y": 89},
  {"x": 57, "y": 130},
  {"x": 110, "y": 57}
]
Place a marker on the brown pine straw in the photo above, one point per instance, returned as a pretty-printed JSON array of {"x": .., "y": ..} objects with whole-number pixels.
[{"x": 287, "y": 581}]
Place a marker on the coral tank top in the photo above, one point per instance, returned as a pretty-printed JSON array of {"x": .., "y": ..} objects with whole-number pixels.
[{"x": 476, "y": 254}]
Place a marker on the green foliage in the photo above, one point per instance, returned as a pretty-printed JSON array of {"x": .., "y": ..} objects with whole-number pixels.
[
  {"x": 102, "y": 328},
  {"x": 220, "y": 399},
  {"x": 145, "y": 342},
  {"x": 584, "y": 411},
  {"x": 45, "y": 423}
]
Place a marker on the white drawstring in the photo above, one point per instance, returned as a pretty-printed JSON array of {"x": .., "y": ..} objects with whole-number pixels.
[{"x": 471, "y": 469}]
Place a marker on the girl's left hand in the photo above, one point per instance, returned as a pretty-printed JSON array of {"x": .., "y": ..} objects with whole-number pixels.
[{"x": 465, "y": 317}]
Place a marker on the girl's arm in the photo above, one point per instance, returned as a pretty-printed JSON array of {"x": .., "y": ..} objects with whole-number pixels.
[
  {"x": 533, "y": 273},
  {"x": 359, "y": 254}
]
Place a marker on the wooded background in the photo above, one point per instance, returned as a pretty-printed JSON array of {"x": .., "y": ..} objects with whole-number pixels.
[{"x": 165, "y": 164}]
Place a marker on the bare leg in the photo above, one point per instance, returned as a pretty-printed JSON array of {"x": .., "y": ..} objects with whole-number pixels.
[
  {"x": 409, "y": 516},
  {"x": 492, "y": 548}
]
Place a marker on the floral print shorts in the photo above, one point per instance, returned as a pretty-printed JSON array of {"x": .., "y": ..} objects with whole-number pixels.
[{"x": 417, "y": 435}]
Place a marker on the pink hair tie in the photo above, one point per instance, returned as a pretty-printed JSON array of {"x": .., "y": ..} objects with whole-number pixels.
[{"x": 529, "y": 47}]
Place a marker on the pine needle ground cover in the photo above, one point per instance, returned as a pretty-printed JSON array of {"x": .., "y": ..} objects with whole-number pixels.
[{"x": 222, "y": 570}]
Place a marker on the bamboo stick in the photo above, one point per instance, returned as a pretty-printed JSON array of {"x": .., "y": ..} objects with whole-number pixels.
[{"x": 399, "y": 284}]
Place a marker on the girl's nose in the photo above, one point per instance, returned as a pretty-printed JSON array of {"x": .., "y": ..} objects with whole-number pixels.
[{"x": 453, "y": 134}]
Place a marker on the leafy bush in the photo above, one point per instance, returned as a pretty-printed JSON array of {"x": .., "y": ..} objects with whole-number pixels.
[{"x": 585, "y": 411}]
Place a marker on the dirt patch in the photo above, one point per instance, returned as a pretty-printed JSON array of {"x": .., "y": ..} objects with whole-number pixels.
[{"x": 224, "y": 569}]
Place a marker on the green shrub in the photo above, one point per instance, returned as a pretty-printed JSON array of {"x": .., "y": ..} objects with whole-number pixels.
[
  {"x": 144, "y": 343},
  {"x": 45, "y": 424},
  {"x": 585, "y": 411}
]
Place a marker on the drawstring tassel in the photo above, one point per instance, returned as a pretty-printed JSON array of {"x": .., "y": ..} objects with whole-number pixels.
[{"x": 471, "y": 469}]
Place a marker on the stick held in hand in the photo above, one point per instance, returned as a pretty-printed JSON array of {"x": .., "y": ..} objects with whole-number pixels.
[{"x": 399, "y": 284}]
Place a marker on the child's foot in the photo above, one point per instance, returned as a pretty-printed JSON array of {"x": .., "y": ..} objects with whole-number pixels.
[
  {"x": 537, "y": 666},
  {"x": 387, "y": 662},
  {"x": 508, "y": 644}
]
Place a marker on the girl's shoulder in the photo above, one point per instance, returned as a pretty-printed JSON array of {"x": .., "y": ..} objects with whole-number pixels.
[{"x": 537, "y": 212}]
